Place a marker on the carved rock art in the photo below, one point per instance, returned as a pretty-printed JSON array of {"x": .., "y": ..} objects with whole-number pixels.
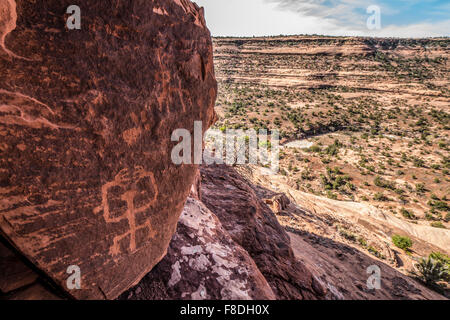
[
  {"x": 134, "y": 194},
  {"x": 86, "y": 177}
]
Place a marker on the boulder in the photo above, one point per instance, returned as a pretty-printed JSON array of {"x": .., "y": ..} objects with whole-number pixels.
[
  {"x": 86, "y": 118},
  {"x": 278, "y": 203},
  {"x": 203, "y": 263},
  {"x": 253, "y": 225},
  {"x": 228, "y": 245},
  {"x": 20, "y": 281}
]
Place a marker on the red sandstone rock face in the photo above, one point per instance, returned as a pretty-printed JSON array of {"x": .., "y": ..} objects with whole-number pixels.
[
  {"x": 86, "y": 118},
  {"x": 252, "y": 224},
  {"x": 203, "y": 263}
]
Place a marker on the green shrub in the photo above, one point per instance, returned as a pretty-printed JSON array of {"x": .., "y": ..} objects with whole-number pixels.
[
  {"x": 347, "y": 235},
  {"x": 314, "y": 148},
  {"x": 445, "y": 259},
  {"x": 420, "y": 188},
  {"x": 332, "y": 195},
  {"x": 333, "y": 149},
  {"x": 407, "y": 214},
  {"x": 380, "y": 197},
  {"x": 431, "y": 271},
  {"x": 447, "y": 217},
  {"x": 436, "y": 167},
  {"x": 438, "y": 224},
  {"x": 403, "y": 243},
  {"x": 439, "y": 205},
  {"x": 382, "y": 183},
  {"x": 429, "y": 216},
  {"x": 335, "y": 180},
  {"x": 362, "y": 242},
  {"x": 375, "y": 252},
  {"x": 418, "y": 163}
]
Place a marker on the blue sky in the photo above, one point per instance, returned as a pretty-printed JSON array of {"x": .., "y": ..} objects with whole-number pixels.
[
  {"x": 412, "y": 11},
  {"x": 399, "y": 18}
]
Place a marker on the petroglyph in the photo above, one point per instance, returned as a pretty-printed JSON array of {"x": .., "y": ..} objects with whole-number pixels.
[
  {"x": 130, "y": 196},
  {"x": 8, "y": 19},
  {"x": 88, "y": 109},
  {"x": 27, "y": 111},
  {"x": 19, "y": 98}
]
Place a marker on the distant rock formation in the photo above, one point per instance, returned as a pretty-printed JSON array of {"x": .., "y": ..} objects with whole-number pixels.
[{"x": 86, "y": 118}]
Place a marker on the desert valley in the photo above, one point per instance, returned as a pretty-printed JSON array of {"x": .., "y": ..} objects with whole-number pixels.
[{"x": 364, "y": 138}]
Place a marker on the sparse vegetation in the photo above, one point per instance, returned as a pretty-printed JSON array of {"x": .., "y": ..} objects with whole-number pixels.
[
  {"x": 403, "y": 243},
  {"x": 431, "y": 271},
  {"x": 438, "y": 224},
  {"x": 342, "y": 138},
  {"x": 407, "y": 214}
]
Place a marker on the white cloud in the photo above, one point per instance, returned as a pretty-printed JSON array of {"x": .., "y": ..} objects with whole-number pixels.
[
  {"x": 325, "y": 17},
  {"x": 419, "y": 30}
]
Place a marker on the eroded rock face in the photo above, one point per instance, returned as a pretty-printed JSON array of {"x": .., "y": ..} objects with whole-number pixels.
[
  {"x": 203, "y": 263},
  {"x": 86, "y": 118},
  {"x": 228, "y": 245},
  {"x": 253, "y": 225}
]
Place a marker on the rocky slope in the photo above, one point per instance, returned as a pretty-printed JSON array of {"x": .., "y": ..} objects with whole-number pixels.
[
  {"x": 296, "y": 264},
  {"x": 230, "y": 210},
  {"x": 338, "y": 241}
]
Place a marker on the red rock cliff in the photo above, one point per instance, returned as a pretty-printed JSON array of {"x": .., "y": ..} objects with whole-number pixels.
[{"x": 86, "y": 118}]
